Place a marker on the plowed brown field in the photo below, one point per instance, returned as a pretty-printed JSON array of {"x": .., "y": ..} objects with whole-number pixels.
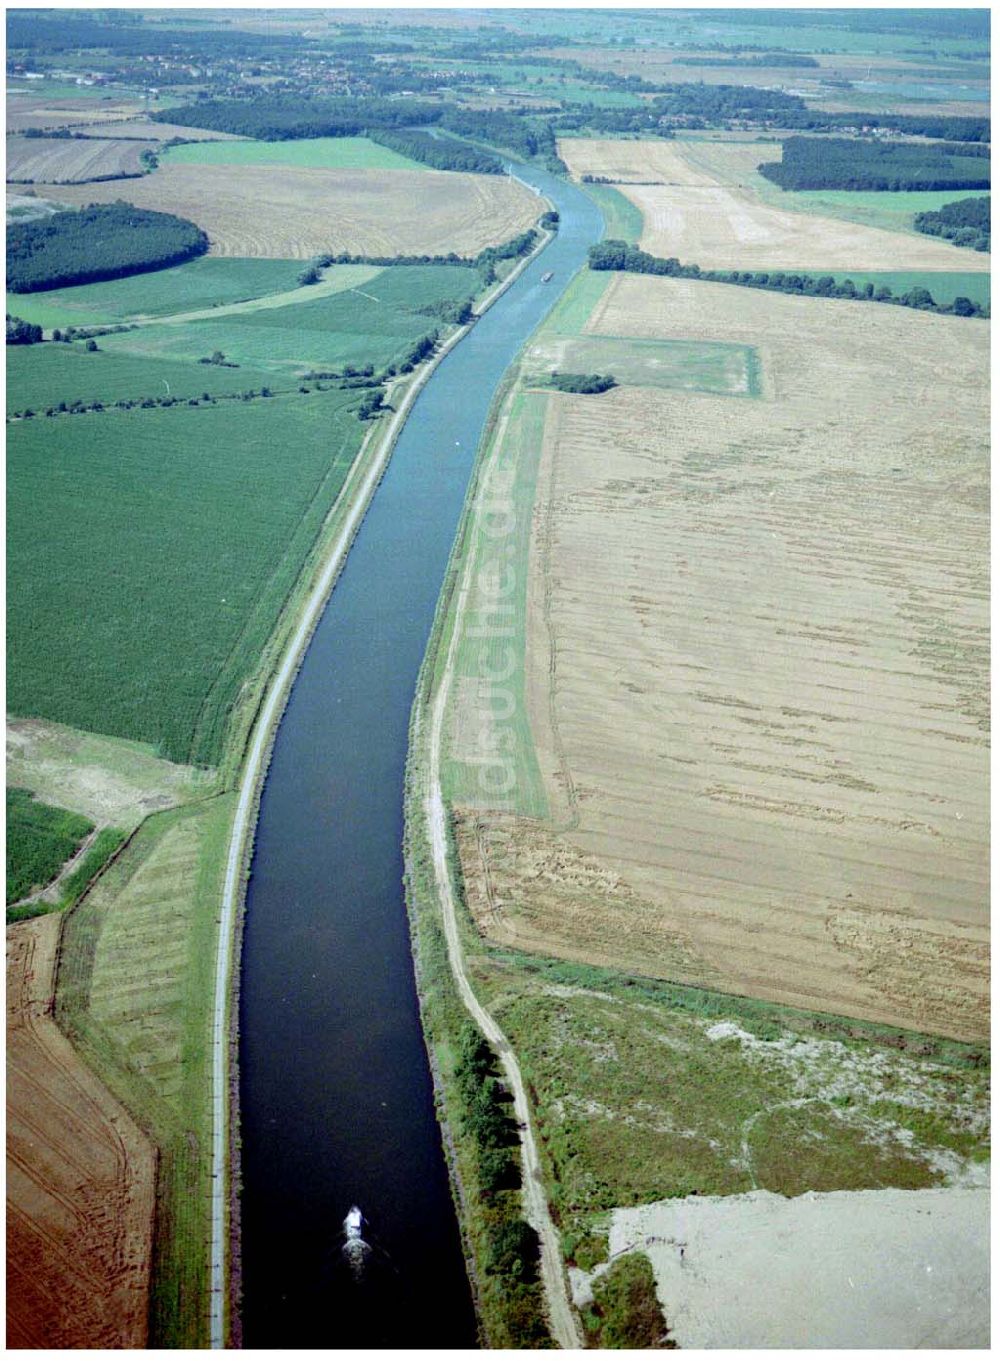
[
  {"x": 294, "y": 213},
  {"x": 708, "y": 220},
  {"x": 757, "y": 667},
  {"x": 80, "y": 1177}
]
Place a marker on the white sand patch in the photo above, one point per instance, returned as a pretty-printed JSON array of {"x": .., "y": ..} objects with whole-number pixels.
[{"x": 843, "y": 1269}]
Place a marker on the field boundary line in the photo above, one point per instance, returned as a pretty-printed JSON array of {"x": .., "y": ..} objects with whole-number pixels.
[{"x": 250, "y": 785}]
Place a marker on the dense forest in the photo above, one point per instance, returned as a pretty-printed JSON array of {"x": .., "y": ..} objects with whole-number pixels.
[
  {"x": 442, "y": 153},
  {"x": 619, "y": 255},
  {"x": 104, "y": 241},
  {"x": 38, "y": 33},
  {"x": 966, "y": 222},
  {"x": 842, "y": 163}
]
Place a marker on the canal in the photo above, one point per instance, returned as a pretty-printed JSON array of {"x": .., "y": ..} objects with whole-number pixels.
[{"x": 335, "y": 1092}]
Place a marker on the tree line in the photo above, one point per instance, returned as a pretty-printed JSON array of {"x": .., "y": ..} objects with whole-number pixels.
[
  {"x": 966, "y": 222},
  {"x": 21, "y": 332},
  {"x": 103, "y": 241},
  {"x": 843, "y": 163},
  {"x": 442, "y": 153},
  {"x": 618, "y": 255},
  {"x": 582, "y": 382}
]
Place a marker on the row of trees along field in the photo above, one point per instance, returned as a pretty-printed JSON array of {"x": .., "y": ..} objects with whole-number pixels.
[
  {"x": 104, "y": 241},
  {"x": 843, "y": 163},
  {"x": 619, "y": 255},
  {"x": 439, "y": 152},
  {"x": 965, "y": 222}
]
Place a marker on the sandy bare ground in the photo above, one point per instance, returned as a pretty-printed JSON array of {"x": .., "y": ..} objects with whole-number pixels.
[
  {"x": 72, "y": 159},
  {"x": 295, "y": 213},
  {"x": 698, "y": 217},
  {"x": 110, "y": 780},
  {"x": 80, "y": 1177},
  {"x": 757, "y": 667},
  {"x": 886, "y": 1269}
]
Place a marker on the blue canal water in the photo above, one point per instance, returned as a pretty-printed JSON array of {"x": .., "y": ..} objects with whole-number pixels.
[{"x": 335, "y": 1092}]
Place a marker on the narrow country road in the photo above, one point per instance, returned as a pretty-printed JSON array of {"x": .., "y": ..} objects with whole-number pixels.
[{"x": 562, "y": 1316}]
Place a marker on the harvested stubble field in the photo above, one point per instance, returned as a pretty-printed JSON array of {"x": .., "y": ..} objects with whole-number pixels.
[
  {"x": 72, "y": 159},
  {"x": 295, "y": 212},
  {"x": 757, "y": 668},
  {"x": 39, "y": 110},
  {"x": 80, "y": 1177},
  {"x": 695, "y": 212}
]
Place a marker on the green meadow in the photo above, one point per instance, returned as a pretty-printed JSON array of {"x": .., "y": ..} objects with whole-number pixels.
[
  {"x": 150, "y": 553},
  {"x": 326, "y": 153},
  {"x": 377, "y": 322},
  {"x": 944, "y": 286},
  {"x": 211, "y": 281},
  {"x": 622, "y": 219},
  {"x": 893, "y": 209},
  {"x": 40, "y": 377}
]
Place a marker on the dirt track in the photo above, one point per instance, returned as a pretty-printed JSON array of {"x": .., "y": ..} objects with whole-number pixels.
[
  {"x": 295, "y": 212},
  {"x": 80, "y": 1177}
]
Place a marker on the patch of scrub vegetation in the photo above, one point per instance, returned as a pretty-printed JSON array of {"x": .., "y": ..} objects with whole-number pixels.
[
  {"x": 622, "y": 219},
  {"x": 329, "y": 153},
  {"x": 625, "y": 1312},
  {"x": 689, "y": 366},
  {"x": 152, "y": 916},
  {"x": 51, "y": 379},
  {"x": 211, "y": 281},
  {"x": 146, "y": 620},
  {"x": 965, "y": 222},
  {"x": 40, "y": 839},
  {"x": 646, "y": 1092},
  {"x": 377, "y": 322},
  {"x": 585, "y": 383}
]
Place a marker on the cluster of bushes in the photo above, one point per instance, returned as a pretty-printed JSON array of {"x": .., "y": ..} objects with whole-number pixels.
[
  {"x": 619, "y": 255},
  {"x": 70, "y": 333},
  {"x": 420, "y": 351},
  {"x": 485, "y": 1112},
  {"x": 770, "y": 59},
  {"x": 965, "y": 222},
  {"x": 549, "y": 222},
  {"x": 454, "y": 312},
  {"x": 625, "y": 1312},
  {"x": 219, "y": 360},
  {"x": 372, "y": 404},
  {"x": 439, "y": 152},
  {"x": 103, "y": 241},
  {"x": 582, "y": 382},
  {"x": 21, "y": 332},
  {"x": 513, "y": 249},
  {"x": 843, "y": 163}
]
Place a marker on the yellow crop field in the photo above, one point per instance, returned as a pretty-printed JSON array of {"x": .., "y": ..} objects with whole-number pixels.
[
  {"x": 701, "y": 205},
  {"x": 756, "y": 667},
  {"x": 294, "y": 212}
]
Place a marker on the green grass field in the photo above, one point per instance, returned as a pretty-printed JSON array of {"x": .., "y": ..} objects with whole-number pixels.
[
  {"x": 894, "y": 210},
  {"x": 42, "y": 376},
  {"x": 677, "y": 365},
  {"x": 40, "y": 839},
  {"x": 208, "y": 282},
  {"x": 377, "y": 322},
  {"x": 152, "y": 916},
  {"x": 622, "y": 219},
  {"x": 328, "y": 153},
  {"x": 150, "y": 553}
]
